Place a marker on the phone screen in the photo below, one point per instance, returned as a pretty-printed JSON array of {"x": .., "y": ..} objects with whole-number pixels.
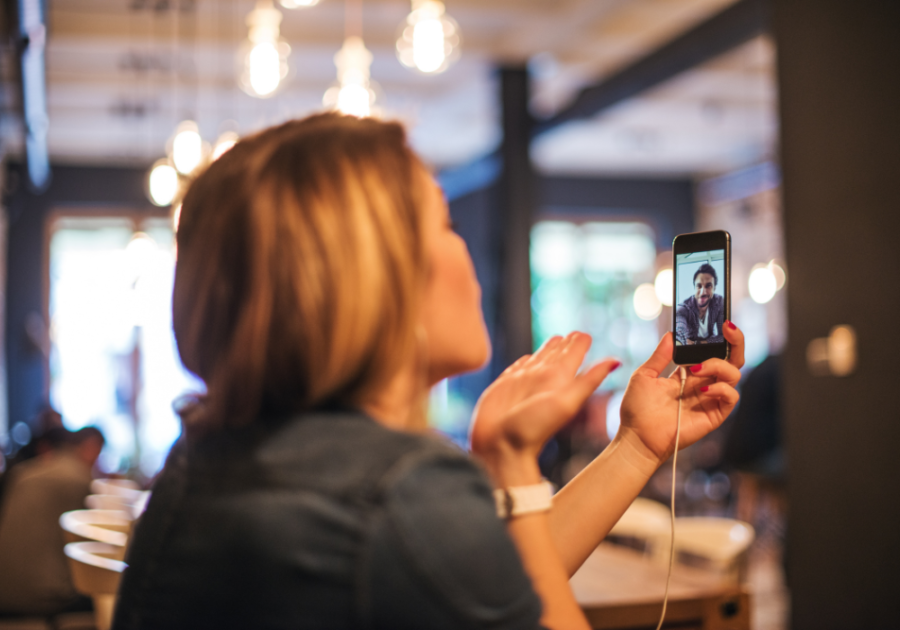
[{"x": 700, "y": 300}]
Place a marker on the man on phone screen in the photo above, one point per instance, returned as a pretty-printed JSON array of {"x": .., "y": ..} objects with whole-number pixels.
[{"x": 699, "y": 319}]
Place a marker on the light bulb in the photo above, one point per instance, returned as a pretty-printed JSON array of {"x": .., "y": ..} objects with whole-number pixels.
[
  {"x": 298, "y": 4},
  {"x": 663, "y": 286},
  {"x": 264, "y": 67},
  {"x": 352, "y": 94},
  {"x": 163, "y": 183},
  {"x": 646, "y": 304},
  {"x": 428, "y": 45},
  {"x": 264, "y": 55},
  {"x": 429, "y": 39},
  {"x": 187, "y": 147},
  {"x": 762, "y": 284},
  {"x": 353, "y": 100}
]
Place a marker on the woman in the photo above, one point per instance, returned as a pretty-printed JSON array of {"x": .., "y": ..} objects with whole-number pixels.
[{"x": 320, "y": 290}]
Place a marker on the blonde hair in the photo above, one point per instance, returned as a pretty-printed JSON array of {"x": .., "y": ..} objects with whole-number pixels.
[{"x": 300, "y": 266}]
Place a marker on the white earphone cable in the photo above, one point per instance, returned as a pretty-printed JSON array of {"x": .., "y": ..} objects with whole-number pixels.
[{"x": 683, "y": 373}]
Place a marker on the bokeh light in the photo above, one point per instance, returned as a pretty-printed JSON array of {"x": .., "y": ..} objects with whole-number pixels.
[
  {"x": 762, "y": 284},
  {"x": 663, "y": 286},
  {"x": 187, "y": 147},
  {"x": 646, "y": 304},
  {"x": 163, "y": 183}
]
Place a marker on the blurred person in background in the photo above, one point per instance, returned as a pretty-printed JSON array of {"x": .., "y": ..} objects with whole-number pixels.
[
  {"x": 34, "y": 573},
  {"x": 49, "y": 435},
  {"x": 320, "y": 291},
  {"x": 47, "y": 426}
]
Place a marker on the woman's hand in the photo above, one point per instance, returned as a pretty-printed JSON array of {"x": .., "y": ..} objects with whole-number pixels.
[
  {"x": 650, "y": 405},
  {"x": 530, "y": 401}
]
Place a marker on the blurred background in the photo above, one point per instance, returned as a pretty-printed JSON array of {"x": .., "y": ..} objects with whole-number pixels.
[{"x": 573, "y": 140}]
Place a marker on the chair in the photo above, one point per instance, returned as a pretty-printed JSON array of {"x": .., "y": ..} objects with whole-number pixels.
[
  {"x": 133, "y": 504},
  {"x": 121, "y": 487},
  {"x": 107, "y": 526},
  {"x": 644, "y": 526},
  {"x": 715, "y": 544},
  {"x": 96, "y": 572},
  {"x": 107, "y": 502}
]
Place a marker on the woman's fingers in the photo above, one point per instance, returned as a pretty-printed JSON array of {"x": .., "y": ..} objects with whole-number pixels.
[
  {"x": 722, "y": 371},
  {"x": 735, "y": 338},
  {"x": 660, "y": 358},
  {"x": 722, "y": 392},
  {"x": 518, "y": 363},
  {"x": 564, "y": 354},
  {"x": 546, "y": 349},
  {"x": 573, "y": 396},
  {"x": 572, "y": 355}
]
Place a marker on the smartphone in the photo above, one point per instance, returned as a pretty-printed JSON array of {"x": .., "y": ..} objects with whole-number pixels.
[{"x": 702, "y": 300}]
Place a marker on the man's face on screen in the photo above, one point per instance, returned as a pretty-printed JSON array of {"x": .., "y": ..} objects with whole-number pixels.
[{"x": 704, "y": 287}]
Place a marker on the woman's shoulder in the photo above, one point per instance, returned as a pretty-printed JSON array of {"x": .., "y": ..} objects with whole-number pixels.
[
  {"x": 342, "y": 438},
  {"x": 337, "y": 452}
]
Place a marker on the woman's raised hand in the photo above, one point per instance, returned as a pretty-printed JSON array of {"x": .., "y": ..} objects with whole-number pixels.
[
  {"x": 530, "y": 401},
  {"x": 650, "y": 405}
]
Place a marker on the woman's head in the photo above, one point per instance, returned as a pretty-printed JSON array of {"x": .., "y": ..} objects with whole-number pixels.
[{"x": 303, "y": 266}]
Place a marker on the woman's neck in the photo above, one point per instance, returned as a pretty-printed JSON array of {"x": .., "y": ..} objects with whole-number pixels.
[{"x": 392, "y": 406}]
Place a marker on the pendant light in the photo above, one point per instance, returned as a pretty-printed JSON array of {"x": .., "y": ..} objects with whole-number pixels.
[
  {"x": 264, "y": 55},
  {"x": 353, "y": 93},
  {"x": 429, "y": 38}
]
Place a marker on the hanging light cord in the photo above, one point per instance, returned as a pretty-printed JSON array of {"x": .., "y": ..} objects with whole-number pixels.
[{"x": 662, "y": 617}]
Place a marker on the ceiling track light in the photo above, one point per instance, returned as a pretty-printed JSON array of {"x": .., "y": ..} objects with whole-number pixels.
[
  {"x": 263, "y": 58},
  {"x": 429, "y": 38}
]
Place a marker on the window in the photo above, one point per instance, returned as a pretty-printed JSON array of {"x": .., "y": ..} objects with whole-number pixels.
[
  {"x": 113, "y": 360},
  {"x": 584, "y": 277}
]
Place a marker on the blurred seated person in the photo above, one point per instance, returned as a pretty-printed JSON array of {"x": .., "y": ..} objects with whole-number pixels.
[
  {"x": 701, "y": 317},
  {"x": 45, "y": 441},
  {"x": 754, "y": 448},
  {"x": 320, "y": 291},
  {"x": 47, "y": 428},
  {"x": 34, "y": 573},
  {"x": 753, "y": 441}
]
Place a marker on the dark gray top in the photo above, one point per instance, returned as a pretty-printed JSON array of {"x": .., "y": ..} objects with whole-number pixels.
[
  {"x": 687, "y": 320},
  {"x": 328, "y": 520}
]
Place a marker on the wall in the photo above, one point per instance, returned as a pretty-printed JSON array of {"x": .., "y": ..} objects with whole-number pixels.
[{"x": 839, "y": 65}]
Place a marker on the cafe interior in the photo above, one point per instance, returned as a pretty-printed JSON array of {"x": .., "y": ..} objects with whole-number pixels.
[{"x": 573, "y": 140}]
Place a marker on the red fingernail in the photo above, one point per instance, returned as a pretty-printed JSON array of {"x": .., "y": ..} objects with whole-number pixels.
[
  {"x": 705, "y": 388},
  {"x": 731, "y": 325},
  {"x": 696, "y": 368},
  {"x": 615, "y": 366}
]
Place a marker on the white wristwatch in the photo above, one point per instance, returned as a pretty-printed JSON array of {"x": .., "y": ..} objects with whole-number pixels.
[{"x": 520, "y": 500}]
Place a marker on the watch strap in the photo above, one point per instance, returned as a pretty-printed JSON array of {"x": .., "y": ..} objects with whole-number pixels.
[{"x": 520, "y": 500}]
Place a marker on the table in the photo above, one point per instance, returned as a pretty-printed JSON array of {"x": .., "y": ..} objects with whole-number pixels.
[{"x": 619, "y": 588}]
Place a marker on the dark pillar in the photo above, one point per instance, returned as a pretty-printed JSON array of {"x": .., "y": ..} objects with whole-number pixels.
[
  {"x": 839, "y": 67},
  {"x": 517, "y": 201}
]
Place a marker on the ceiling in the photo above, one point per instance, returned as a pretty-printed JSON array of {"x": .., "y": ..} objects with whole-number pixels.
[{"x": 121, "y": 74}]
